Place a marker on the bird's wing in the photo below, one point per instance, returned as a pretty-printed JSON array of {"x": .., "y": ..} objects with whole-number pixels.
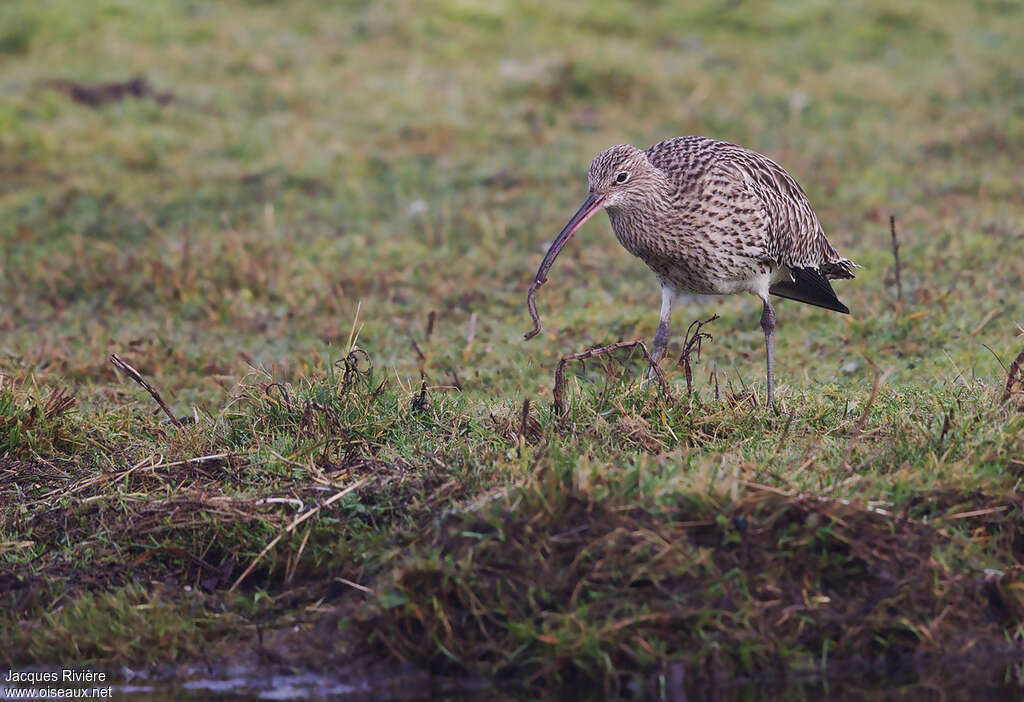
[{"x": 795, "y": 237}]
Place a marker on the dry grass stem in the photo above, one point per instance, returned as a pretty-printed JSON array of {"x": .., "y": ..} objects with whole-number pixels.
[
  {"x": 896, "y": 257},
  {"x": 291, "y": 527},
  {"x": 692, "y": 342},
  {"x": 558, "y": 389},
  {"x": 137, "y": 377}
]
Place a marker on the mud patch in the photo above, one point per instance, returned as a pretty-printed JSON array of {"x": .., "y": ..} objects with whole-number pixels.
[{"x": 98, "y": 94}]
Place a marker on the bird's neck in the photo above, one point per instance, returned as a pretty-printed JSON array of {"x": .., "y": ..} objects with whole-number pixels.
[{"x": 637, "y": 220}]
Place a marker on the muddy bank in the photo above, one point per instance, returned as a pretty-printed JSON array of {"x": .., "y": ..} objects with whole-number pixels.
[
  {"x": 550, "y": 586},
  {"x": 561, "y": 588}
]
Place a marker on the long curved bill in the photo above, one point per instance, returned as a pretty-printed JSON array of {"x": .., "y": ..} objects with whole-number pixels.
[{"x": 591, "y": 205}]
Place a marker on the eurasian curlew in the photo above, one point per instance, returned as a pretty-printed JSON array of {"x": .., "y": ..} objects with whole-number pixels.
[{"x": 713, "y": 218}]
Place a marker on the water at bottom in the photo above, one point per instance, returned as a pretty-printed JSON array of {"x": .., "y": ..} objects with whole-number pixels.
[{"x": 1002, "y": 682}]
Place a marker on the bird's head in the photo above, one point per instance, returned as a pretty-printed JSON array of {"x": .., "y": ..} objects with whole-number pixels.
[
  {"x": 621, "y": 175},
  {"x": 618, "y": 177}
]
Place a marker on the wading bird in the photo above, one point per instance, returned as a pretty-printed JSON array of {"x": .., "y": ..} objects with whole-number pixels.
[{"x": 712, "y": 218}]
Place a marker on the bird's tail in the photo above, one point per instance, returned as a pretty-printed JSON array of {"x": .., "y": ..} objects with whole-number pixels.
[{"x": 811, "y": 287}]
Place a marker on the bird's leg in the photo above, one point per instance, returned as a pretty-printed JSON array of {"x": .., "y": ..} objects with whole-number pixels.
[
  {"x": 662, "y": 335},
  {"x": 768, "y": 325}
]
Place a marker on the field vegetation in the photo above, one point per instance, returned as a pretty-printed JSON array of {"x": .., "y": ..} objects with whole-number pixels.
[{"x": 311, "y": 227}]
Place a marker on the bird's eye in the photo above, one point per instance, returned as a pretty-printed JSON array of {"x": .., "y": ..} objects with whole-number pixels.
[{"x": 622, "y": 177}]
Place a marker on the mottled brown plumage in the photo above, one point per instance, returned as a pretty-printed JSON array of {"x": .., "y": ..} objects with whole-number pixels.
[{"x": 713, "y": 218}]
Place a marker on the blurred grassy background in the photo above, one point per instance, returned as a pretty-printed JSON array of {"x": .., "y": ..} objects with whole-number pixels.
[{"x": 414, "y": 156}]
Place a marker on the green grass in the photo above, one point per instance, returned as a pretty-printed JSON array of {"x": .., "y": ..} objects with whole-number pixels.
[{"x": 385, "y": 176}]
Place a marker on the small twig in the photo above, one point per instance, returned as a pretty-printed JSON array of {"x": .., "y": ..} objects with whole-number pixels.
[
  {"x": 430, "y": 323},
  {"x": 351, "y": 364},
  {"x": 417, "y": 349},
  {"x": 420, "y": 402},
  {"x": 289, "y": 461},
  {"x": 601, "y": 351},
  {"x": 977, "y": 512},
  {"x": 357, "y": 586},
  {"x": 197, "y": 459},
  {"x": 471, "y": 329},
  {"x": 995, "y": 356},
  {"x": 1016, "y": 375},
  {"x": 896, "y": 257},
  {"x": 456, "y": 381},
  {"x": 137, "y": 377},
  {"x": 524, "y": 416},
  {"x": 691, "y": 346}
]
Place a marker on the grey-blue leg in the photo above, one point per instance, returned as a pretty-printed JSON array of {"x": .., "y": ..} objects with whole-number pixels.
[
  {"x": 768, "y": 326},
  {"x": 661, "y": 337}
]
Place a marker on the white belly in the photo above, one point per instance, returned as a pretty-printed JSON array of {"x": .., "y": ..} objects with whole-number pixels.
[{"x": 684, "y": 281}]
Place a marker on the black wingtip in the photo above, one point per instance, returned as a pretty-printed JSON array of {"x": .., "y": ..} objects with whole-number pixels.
[{"x": 810, "y": 287}]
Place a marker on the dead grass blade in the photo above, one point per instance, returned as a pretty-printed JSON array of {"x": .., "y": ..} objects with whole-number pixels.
[
  {"x": 291, "y": 527},
  {"x": 57, "y": 403},
  {"x": 137, "y": 377}
]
